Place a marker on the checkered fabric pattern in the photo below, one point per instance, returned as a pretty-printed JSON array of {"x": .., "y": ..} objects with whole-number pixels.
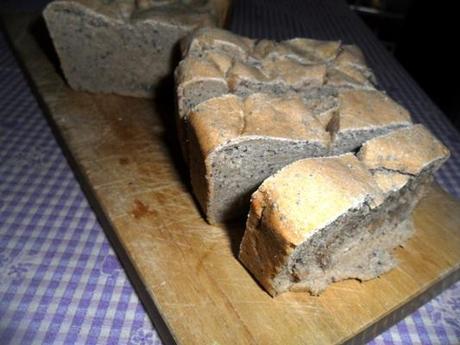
[{"x": 60, "y": 281}]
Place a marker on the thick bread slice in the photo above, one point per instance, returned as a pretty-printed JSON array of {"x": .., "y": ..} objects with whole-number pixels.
[
  {"x": 321, "y": 220},
  {"x": 304, "y": 218},
  {"x": 123, "y": 46},
  {"x": 235, "y": 144}
]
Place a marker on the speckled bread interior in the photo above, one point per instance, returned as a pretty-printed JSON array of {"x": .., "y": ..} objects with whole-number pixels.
[
  {"x": 246, "y": 108},
  {"x": 125, "y": 47},
  {"x": 321, "y": 220}
]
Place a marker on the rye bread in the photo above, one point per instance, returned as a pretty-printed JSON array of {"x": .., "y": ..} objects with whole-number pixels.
[
  {"x": 321, "y": 220},
  {"x": 235, "y": 144},
  {"x": 330, "y": 79},
  {"x": 125, "y": 47}
]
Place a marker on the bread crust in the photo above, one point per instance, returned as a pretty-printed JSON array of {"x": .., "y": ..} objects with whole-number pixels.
[
  {"x": 321, "y": 220},
  {"x": 233, "y": 90}
]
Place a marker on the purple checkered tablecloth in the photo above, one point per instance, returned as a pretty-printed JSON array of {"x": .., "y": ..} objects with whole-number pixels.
[{"x": 60, "y": 281}]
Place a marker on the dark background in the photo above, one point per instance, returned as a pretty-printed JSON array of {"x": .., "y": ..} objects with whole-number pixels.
[{"x": 424, "y": 36}]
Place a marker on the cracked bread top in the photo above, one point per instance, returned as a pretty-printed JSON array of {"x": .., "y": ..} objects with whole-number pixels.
[
  {"x": 367, "y": 109},
  {"x": 224, "y": 119},
  {"x": 395, "y": 158},
  {"x": 176, "y": 12},
  {"x": 331, "y": 79},
  {"x": 292, "y": 63},
  {"x": 220, "y": 120},
  {"x": 406, "y": 151}
]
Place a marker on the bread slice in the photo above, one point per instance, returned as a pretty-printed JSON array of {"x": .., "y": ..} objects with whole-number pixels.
[
  {"x": 235, "y": 144},
  {"x": 123, "y": 47},
  {"x": 321, "y": 220}
]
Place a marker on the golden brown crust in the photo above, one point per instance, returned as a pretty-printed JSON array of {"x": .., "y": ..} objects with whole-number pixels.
[
  {"x": 408, "y": 151},
  {"x": 308, "y": 195},
  {"x": 297, "y": 63},
  {"x": 287, "y": 118},
  {"x": 293, "y": 73},
  {"x": 294, "y": 66},
  {"x": 324, "y": 187},
  {"x": 320, "y": 50},
  {"x": 244, "y": 71},
  {"x": 351, "y": 55},
  {"x": 363, "y": 109},
  {"x": 216, "y": 121},
  {"x": 265, "y": 49},
  {"x": 193, "y": 69},
  {"x": 263, "y": 253},
  {"x": 208, "y": 39},
  {"x": 362, "y": 115},
  {"x": 389, "y": 181},
  {"x": 298, "y": 201},
  {"x": 219, "y": 120}
]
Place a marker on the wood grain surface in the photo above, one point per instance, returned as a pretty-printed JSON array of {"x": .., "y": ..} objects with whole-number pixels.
[{"x": 185, "y": 270}]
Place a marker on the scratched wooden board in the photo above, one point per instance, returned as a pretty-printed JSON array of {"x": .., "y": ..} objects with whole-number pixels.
[{"x": 185, "y": 270}]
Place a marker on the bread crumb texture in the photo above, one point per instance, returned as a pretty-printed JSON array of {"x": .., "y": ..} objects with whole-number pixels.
[
  {"x": 336, "y": 165},
  {"x": 125, "y": 47},
  {"x": 314, "y": 212}
]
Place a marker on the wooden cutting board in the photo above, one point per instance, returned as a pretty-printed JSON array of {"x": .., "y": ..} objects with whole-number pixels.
[{"x": 186, "y": 271}]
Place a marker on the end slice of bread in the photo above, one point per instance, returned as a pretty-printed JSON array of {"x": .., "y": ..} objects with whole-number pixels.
[{"x": 321, "y": 220}]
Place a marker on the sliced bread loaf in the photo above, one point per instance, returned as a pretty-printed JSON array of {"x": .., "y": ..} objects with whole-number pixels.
[
  {"x": 234, "y": 143},
  {"x": 321, "y": 220},
  {"x": 330, "y": 79}
]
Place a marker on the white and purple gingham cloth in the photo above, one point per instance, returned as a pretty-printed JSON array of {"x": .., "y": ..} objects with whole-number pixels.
[{"x": 60, "y": 281}]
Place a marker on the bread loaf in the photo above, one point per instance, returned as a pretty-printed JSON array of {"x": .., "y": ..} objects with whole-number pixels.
[
  {"x": 246, "y": 108},
  {"x": 124, "y": 46},
  {"x": 321, "y": 220}
]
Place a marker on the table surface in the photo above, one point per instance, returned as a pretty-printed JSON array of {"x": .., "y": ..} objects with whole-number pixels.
[{"x": 60, "y": 281}]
